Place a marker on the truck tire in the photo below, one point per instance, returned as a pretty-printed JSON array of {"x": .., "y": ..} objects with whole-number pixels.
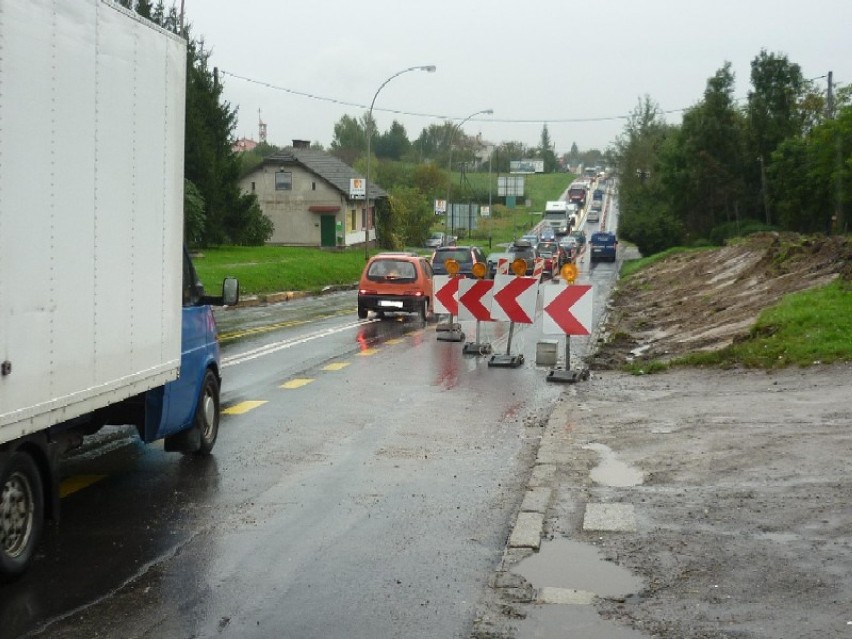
[
  {"x": 21, "y": 514},
  {"x": 362, "y": 312},
  {"x": 207, "y": 413}
]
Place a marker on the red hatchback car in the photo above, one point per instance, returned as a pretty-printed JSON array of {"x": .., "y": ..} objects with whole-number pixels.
[{"x": 396, "y": 283}]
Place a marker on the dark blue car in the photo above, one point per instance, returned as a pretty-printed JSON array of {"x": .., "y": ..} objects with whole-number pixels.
[{"x": 603, "y": 245}]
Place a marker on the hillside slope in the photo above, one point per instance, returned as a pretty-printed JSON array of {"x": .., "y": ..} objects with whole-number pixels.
[{"x": 704, "y": 300}]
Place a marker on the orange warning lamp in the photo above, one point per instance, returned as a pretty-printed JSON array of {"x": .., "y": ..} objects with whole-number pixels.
[
  {"x": 452, "y": 267},
  {"x": 478, "y": 270},
  {"x": 519, "y": 266},
  {"x": 569, "y": 272}
]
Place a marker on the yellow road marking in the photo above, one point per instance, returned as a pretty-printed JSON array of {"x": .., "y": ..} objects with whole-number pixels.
[
  {"x": 336, "y": 366},
  {"x": 296, "y": 383},
  {"x": 368, "y": 351},
  {"x": 77, "y": 482},
  {"x": 395, "y": 340},
  {"x": 227, "y": 336},
  {"x": 242, "y": 407}
]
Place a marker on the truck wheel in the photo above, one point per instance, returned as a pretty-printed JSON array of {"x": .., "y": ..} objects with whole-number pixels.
[
  {"x": 207, "y": 413},
  {"x": 362, "y": 312},
  {"x": 423, "y": 310},
  {"x": 21, "y": 514}
]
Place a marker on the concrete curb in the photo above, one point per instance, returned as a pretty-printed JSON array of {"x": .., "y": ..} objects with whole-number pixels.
[
  {"x": 286, "y": 296},
  {"x": 529, "y": 526}
]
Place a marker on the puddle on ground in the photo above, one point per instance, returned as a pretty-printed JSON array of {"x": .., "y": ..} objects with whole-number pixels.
[
  {"x": 563, "y": 563},
  {"x": 611, "y": 471},
  {"x": 571, "y": 622}
]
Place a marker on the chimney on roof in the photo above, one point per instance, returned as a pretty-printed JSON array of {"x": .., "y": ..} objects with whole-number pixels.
[{"x": 301, "y": 144}]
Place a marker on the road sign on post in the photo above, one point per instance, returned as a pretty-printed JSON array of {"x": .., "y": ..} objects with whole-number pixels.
[
  {"x": 567, "y": 311},
  {"x": 475, "y": 301},
  {"x": 447, "y": 296},
  {"x": 514, "y": 300}
]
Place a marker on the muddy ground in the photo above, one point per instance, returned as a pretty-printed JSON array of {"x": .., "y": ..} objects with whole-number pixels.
[
  {"x": 744, "y": 514},
  {"x": 743, "y": 509}
]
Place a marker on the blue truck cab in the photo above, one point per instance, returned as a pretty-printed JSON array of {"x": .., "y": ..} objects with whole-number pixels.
[{"x": 184, "y": 412}]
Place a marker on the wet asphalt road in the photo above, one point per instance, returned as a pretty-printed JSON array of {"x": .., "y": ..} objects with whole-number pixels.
[{"x": 363, "y": 485}]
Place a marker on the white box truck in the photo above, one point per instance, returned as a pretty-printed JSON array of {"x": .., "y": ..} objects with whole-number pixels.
[
  {"x": 102, "y": 318},
  {"x": 557, "y": 217}
]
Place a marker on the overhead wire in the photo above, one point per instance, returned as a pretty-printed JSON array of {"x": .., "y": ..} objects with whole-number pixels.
[
  {"x": 436, "y": 116},
  {"x": 341, "y": 102}
]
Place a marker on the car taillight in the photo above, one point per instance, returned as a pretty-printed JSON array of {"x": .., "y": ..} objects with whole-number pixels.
[
  {"x": 414, "y": 293},
  {"x": 366, "y": 291}
]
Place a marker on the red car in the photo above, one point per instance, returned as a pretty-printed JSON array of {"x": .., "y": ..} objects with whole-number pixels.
[
  {"x": 553, "y": 255},
  {"x": 396, "y": 283}
]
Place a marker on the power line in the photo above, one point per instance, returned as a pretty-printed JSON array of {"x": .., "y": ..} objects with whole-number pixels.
[{"x": 313, "y": 96}]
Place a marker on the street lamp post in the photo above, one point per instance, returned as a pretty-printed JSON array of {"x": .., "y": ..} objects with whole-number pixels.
[
  {"x": 429, "y": 68},
  {"x": 450, "y": 163}
]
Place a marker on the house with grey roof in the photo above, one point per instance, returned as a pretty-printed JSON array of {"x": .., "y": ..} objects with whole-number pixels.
[{"x": 308, "y": 194}]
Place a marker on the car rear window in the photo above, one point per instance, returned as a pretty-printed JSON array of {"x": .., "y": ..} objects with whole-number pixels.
[
  {"x": 392, "y": 270},
  {"x": 603, "y": 238},
  {"x": 462, "y": 256},
  {"x": 525, "y": 252}
]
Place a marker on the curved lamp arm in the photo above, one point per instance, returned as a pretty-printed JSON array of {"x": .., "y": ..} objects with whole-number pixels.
[{"x": 429, "y": 68}]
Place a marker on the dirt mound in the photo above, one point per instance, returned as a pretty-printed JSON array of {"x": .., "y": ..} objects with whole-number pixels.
[{"x": 704, "y": 300}]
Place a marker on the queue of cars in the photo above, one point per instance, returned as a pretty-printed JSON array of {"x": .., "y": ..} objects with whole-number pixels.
[{"x": 402, "y": 282}]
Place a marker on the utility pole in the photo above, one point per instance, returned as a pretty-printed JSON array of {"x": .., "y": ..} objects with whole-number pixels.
[
  {"x": 829, "y": 101},
  {"x": 838, "y": 220},
  {"x": 763, "y": 188}
]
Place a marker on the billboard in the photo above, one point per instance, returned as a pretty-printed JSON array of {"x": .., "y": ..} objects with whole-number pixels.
[
  {"x": 526, "y": 166},
  {"x": 509, "y": 186},
  {"x": 357, "y": 189}
]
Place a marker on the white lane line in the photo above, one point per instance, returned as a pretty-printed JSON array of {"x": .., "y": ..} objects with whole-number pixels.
[{"x": 268, "y": 349}]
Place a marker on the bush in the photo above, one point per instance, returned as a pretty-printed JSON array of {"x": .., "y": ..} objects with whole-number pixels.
[{"x": 741, "y": 228}]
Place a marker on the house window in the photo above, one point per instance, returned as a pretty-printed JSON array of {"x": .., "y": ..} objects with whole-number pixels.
[
  {"x": 283, "y": 181},
  {"x": 313, "y": 186},
  {"x": 353, "y": 220}
]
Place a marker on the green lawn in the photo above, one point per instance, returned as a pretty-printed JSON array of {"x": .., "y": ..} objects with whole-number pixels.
[
  {"x": 271, "y": 269},
  {"x": 507, "y": 224}
]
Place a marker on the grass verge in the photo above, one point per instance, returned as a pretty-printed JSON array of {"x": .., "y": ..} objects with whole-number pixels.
[
  {"x": 629, "y": 267},
  {"x": 803, "y": 329},
  {"x": 270, "y": 269}
]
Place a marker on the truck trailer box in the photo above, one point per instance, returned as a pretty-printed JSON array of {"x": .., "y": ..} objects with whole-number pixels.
[{"x": 91, "y": 201}]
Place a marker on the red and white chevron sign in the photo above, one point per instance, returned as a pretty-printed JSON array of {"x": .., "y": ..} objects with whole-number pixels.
[
  {"x": 475, "y": 298},
  {"x": 445, "y": 289},
  {"x": 567, "y": 309},
  {"x": 538, "y": 267},
  {"x": 503, "y": 266},
  {"x": 514, "y": 299}
]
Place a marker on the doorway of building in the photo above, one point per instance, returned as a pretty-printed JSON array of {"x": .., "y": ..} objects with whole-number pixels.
[{"x": 328, "y": 236}]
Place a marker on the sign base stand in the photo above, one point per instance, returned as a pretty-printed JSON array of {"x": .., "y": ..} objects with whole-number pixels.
[
  {"x": 506, "y": 361},
  {"x": 476, "y": 348},
  {"x": 448, "y": 326},
  {"x": 567, "y": 376},
  {"x": 451, "y": 334}
]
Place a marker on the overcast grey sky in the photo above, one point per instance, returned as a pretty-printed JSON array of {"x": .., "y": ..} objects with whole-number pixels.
[{"x": 577, "y": 66}]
